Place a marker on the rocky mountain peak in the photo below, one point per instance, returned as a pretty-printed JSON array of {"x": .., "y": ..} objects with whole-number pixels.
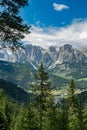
[
  {"x": 66, "y": 54},
  {"x": 52, "y": 49},
  {"x": 66, "y": 48},
  {"x": 50, "y": 57}
]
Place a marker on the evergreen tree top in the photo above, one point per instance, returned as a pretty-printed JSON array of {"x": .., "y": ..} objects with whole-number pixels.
[{"x": 12, "y": 29}]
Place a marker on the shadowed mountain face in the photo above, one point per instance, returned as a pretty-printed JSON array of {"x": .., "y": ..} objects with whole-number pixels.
[
  {"x": 64, "y": 61},
  {"x": 15, "y": 93}
]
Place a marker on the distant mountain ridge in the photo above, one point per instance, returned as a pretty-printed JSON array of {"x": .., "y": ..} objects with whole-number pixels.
[
  {"x": 50, "y": 57},
  {"x": 61, "y": 63}
]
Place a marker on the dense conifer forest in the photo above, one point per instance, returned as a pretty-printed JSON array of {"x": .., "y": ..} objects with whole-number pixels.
[{"x": 42, "y": 112}]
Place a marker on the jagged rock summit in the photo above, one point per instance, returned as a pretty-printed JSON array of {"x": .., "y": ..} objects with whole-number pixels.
[{"x": 50, "y": 57}]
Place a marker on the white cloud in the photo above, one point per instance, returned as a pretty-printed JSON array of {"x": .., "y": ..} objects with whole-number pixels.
[
  {"x": 75, "y": 34},
  {"x": 60, "y": 7},
  {"x": 38, "y": 22}
]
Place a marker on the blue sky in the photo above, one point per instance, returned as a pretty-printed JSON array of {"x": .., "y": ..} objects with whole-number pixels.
[{"x": 56, "y": 22}]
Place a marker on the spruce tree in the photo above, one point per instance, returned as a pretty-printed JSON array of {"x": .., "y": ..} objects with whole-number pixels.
[
  {"x": 31, "y": 118},
  {"x": 64, "y": 116},
  {"x": 12, "y": 28},
  {"x": 5, "y": 112},
  {"x": 42, "y": 89},
  {"x": 85, "y": 117},
  {"x": 20, "y": 119},
  {"x": 51, "y": 119},
  {"x": 26, "y": 119},
  {"x": 74, "y": 109},
  {"x": 3, "y": 118}
]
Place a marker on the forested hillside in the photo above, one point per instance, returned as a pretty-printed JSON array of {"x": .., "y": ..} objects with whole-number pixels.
[
  {"x": 42, "y": 112},
  {"x": 13, "y": 92}
]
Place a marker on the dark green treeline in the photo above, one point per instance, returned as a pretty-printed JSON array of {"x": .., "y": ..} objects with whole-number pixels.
[{"x": 42, "y": 112}]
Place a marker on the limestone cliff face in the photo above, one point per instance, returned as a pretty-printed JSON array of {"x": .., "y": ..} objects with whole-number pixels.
[{"x": 51, "y": 57}]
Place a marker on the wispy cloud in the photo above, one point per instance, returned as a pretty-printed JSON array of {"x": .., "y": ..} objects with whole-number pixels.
[
  {"x": 75, "y": 34},
  {"x": 60, "y": 7},
  {"x": 37, "y": 22}
]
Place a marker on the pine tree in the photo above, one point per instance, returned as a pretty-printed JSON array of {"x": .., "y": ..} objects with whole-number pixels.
[
  {"x": 3, "y": 118},
  {"x": 26, "y": 119},
  {"x": 74, "y": 109},
  {"x": 15, "y": 110},
  {"x": 85, "y": 117},
  {"x": 51, "y": 119},
  {"x": 31, "y": 118},
  {"x": 12, "y": 29},
  {"x": 20, "y": 119},
  {"x": 64, "y": 116},
  {"x": 42, "y": 90},
  {"x": 5, "y": 112}
]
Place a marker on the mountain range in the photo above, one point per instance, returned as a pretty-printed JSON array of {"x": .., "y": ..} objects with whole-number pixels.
[
  {"x": 62, "y": 63},
  {"x": 50, "y": 57}
]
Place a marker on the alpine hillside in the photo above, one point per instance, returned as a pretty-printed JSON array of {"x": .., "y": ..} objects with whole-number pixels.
[{"x": 61, "y": 63}]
